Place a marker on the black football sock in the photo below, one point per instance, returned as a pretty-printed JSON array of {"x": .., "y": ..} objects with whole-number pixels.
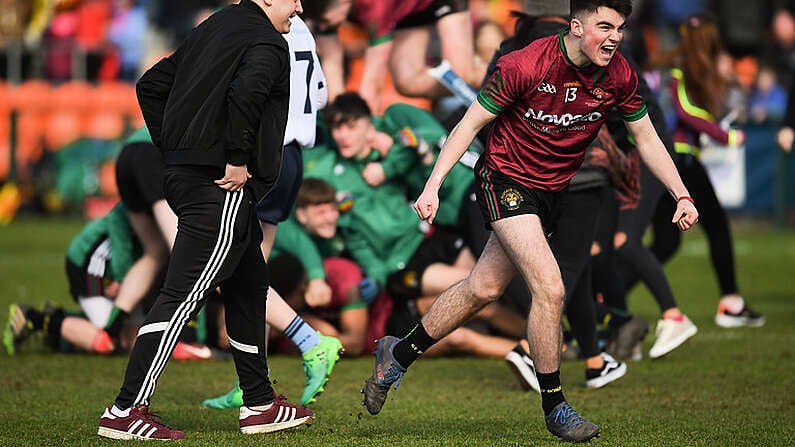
[
  {"x": 116, "y": 322},
  {"x": 551, "y": 391},
  {"x": 35, "y": 319},
  {"x": 409, "y": 349},
  {"x": 52, "y": 326}
]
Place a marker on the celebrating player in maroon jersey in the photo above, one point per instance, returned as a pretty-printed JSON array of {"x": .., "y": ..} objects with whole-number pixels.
[{"x": 547, "y": 101}]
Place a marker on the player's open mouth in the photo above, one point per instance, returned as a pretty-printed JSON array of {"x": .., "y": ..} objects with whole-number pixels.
[{"x": 607, "y": 50}]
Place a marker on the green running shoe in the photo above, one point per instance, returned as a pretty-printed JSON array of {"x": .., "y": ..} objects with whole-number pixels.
[
  {"x": 232, "y": 399},
  {"x": 318, "y": 363},
  {"x": 17, "y": 327}
]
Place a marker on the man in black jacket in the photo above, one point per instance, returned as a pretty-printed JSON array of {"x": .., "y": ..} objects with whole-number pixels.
[{"x": 217, "y": 109}]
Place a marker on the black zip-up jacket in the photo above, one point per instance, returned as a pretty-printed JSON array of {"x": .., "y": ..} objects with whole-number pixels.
[{"x": 222, "y": 96}]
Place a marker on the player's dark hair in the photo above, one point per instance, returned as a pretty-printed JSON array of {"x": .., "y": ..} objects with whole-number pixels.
[
  {"x": 314, "y": 191},
  {"x": 623, "y": 7},
  {"x": 346, "y": 107}
]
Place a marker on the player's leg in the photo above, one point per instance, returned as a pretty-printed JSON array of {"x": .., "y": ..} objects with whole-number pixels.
[
  {"x": 449, "y": 311},
  {"x": 407, "y": 64},
  {"x": 458, "y": 46},
  {"x": 524, "y": 242}
]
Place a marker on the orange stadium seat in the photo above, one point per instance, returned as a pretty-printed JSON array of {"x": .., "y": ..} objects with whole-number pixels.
[
  {"x": 30, "y": 139},
  {"x": 5, "y": 158},
  {"x": 72, "y": 95},
  {"x": 61, "y": 128},
  {"x": 103, "y": 125},
  {"x": 33, "y": 95},
  {"x": 116, "y": 96}
]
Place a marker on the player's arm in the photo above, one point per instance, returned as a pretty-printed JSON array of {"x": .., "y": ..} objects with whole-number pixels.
[
  {"x": 457, "y": 143},
  {"x": 700, "y": 119},
  {"x": 654, "y": 154}
]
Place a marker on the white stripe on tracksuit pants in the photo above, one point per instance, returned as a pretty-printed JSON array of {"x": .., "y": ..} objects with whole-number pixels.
[{"x": 217, "y": 244}]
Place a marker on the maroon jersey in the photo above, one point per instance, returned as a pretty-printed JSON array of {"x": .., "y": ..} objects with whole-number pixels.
[
  {"x": 379, "y": 17},
  {"x": 550, "y": 110}
]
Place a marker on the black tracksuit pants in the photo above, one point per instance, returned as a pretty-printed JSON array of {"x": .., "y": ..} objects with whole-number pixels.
[
  {"x": 571, "y": 241},
  {"x": 636, "y": 261},
  {"x": 712, "y": 216},
  {"x": 217, "y": 244}
]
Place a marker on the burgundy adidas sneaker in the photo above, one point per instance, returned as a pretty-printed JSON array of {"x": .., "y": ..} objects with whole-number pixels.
[
  {"x": 280, "y": 416},
  {"x": 139, "y": 424}
]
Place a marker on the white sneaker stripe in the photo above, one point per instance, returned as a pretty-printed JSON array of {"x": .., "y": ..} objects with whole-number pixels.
[
  {"x": 279, "y": 415},
  {"x": 134, "y": 426},
  {"x": 149, "y": 435},
  {"x": 143, "y": 429},
  {"x": 292, "y": 414}
]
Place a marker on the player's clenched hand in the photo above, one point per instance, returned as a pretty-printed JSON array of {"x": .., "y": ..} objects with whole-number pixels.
[
  {"x": 318, "y": 293},
  {"x": 686, "y": 215},
  {"x": 427, "y": 204},
  {"x": 234, "y": 178},
  {"x": 374, "y": 174}
]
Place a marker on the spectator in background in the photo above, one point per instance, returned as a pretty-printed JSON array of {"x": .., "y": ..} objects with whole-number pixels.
[
  {"x": 768, "y": 99},
  {"x": 786, "y": 134},
  {"x": 697, "y": 89},
  {"x": 780, "y": 51},
  {"x": 128, "y": 33}
]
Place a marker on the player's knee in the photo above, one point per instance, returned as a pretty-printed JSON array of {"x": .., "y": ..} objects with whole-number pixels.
[
  {"x": 551, "y": 293},
  {"x": 485, "y": 291}
]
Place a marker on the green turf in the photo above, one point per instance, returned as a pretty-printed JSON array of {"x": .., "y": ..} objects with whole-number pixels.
[{"x": 723, "y": 388}]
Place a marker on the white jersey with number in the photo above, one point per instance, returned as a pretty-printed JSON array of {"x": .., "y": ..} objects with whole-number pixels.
[{"x": 308, "y": 91}]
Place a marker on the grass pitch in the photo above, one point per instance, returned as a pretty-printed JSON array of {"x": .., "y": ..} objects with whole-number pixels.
[{"x": 724, "y": 387}]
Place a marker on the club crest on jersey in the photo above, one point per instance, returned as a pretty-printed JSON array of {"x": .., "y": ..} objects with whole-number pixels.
[
  {"x": 547, "y": 88},
  {"x": 511, "y": 199},
  {"x": 599, "y": 94}
]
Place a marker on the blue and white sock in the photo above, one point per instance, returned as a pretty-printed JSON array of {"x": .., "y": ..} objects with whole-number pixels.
[
  {"x": 450, "y": 79},
  {"x": 302, "y": 334}
]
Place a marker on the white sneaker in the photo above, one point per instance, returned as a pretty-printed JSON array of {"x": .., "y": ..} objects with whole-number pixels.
[
  {"x": 522, "y": 365},
  {"x": 612, "y": 370},
  {"x": 670, "y": 334}
]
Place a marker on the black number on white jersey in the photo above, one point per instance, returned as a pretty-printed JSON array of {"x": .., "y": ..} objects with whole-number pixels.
[{"x": 307, "y": 56}]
